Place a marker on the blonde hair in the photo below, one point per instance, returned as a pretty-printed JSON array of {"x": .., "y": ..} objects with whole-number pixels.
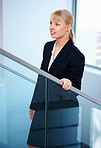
[{"x": 67, "y": 17}]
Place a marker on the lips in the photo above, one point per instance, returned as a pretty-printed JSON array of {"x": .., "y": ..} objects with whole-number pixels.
[{"x": 52, "y": 32}]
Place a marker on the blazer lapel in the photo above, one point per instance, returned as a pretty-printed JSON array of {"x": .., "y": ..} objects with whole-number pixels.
[{"x": 65, "y": 51}]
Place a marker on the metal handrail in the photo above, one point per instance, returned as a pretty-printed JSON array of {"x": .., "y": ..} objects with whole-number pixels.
[{"x": 45, "y": 74}]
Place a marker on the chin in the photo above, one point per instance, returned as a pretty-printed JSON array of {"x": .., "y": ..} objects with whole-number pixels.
[{"x": 53, "y": 37}]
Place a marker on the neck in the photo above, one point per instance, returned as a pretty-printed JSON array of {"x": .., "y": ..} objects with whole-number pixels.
[{"x": 62, "y": 41}]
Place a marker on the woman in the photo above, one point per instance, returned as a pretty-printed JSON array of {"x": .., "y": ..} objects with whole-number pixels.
[{"x": 61, "y": 58}]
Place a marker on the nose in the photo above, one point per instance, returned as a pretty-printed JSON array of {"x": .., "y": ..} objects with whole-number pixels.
[{"x": 51, "y": 26}]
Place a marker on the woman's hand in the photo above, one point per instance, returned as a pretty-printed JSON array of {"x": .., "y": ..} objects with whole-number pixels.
[
  {"x": 66, "y": 83},
  {"x": 31, "y": 113}
]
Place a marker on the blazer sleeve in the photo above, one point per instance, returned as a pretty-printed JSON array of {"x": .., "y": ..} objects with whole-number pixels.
[{"x": 76, "y": 69}]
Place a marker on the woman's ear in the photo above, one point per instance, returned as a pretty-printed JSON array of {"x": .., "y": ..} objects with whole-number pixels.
[{"x": 68, "y": 27}]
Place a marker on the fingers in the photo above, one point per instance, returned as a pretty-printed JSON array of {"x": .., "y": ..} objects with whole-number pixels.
[
  {"x": 31, "y": 113},
  {"x": 66, "y": 83}
]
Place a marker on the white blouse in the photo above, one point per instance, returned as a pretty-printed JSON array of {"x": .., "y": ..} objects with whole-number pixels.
[{"x": 51, "y": 59}]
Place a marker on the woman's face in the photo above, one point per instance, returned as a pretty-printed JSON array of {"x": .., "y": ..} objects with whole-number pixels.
[{"x": 58, "y": 29}]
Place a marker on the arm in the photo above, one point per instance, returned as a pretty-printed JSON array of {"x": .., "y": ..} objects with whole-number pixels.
[{"x": 75, "y": 72}]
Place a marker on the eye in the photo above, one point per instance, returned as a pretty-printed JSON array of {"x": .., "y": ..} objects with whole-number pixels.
[
  {"x": 50, "y": 23},
  {"x": 57, "y": 24}
]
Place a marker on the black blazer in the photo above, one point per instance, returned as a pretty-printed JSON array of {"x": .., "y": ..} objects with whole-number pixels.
[{"x": 69, "y": 63}]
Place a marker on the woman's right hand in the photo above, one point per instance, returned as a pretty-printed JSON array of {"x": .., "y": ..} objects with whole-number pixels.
[{"x": 31, "y": 113}]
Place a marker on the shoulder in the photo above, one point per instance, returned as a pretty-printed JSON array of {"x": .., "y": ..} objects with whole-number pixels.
[
  {"x": 77, "y": 57},
  {"x": 48, "y": 47},
  {"x": 77, "y": 52},
  {"x": 50, "y": 43},
  {"x": 73, "y": 49}
]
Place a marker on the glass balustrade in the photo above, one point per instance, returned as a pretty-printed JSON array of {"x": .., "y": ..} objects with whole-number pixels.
[
  {"x": 73, "y": 120},
  {"x": 15, "y": 96},
  {"x": 17, "y": 84},
  {"x": 63, "y": 119}
]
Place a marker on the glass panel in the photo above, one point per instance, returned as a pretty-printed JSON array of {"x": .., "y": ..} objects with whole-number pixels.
[
  {"x": 15, "y": 97},
  {"x": 15, "y": 66},
  {"x": 73, "y": 120},
  {"x": 89, "y": 129},
  {"x": 16, "y": 92},
  {"x": 37, "y": 136}
]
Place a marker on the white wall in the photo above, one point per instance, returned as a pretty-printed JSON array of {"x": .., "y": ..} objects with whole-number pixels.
[{"x": 26, "y": 26}]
